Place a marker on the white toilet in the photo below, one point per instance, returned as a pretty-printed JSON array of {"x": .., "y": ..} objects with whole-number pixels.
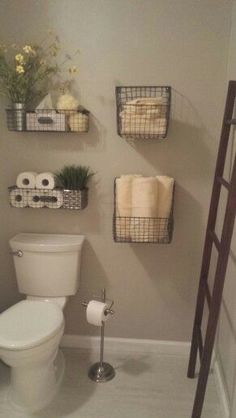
[{"x": 47, "y": 271}]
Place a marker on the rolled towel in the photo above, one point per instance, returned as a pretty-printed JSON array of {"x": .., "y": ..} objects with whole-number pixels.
[
  {"x": 57, "y": 199},
  {"x": 144, "y": 209},
  {"x": 45, "y": 181},
  {"x": 26, "y": 180},
  {"x": 165, "y": 195},
  {"x": 79, "y": 122},
  {"x": 18, "y": 198},
  {"x": 124, "y": 205}
]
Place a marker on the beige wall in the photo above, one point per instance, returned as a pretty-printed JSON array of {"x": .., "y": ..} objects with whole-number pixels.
[
  {"x": 227, "y": 328},
  {"x": 180, "y": 43}
]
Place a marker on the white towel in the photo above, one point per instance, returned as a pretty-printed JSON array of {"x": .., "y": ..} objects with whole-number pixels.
[
  {"x": 26, "y": 180},
  {"x": 45, "y": 181},
  {"x": 57, "y": 201},
  {"x": 144, "y": 206}
]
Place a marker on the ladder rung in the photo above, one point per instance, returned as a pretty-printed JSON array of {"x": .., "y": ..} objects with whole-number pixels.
[
  {"x": 208, "y": 295},
  {"x": 199, "y": 341},
  {"x": 215, "y": 239},
  {"x": 223, "y": 182},
  {"x": 231, "y": 122}
]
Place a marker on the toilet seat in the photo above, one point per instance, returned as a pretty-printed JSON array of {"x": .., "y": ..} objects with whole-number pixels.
[{"x": 28, "y": 324}]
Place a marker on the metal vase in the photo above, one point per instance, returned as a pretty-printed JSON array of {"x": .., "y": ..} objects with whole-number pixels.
[{"x": 18, "y": 116}]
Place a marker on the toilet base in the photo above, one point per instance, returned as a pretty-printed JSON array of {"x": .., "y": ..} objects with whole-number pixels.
[{"x": 34, "y": 389}]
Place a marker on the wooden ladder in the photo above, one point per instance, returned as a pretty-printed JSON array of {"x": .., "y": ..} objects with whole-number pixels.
[{"x": 222, "y": 245}]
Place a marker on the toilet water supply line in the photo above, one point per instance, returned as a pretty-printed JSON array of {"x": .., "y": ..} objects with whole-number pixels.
[{"x": 102, "y": 372}]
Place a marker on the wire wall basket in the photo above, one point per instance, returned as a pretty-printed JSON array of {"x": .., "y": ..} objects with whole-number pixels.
[
  {"x": 143, "y": 112},
  {"x": 50, "y": 120},
  {"x": 129, "y": 229},
  {"x": 44, "y": 198}
]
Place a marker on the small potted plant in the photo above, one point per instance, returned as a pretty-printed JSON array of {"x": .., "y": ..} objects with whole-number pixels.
[{"x": 74, "y": 179}]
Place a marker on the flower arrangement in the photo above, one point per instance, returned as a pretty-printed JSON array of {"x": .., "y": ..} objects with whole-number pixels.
[{"x": 25, "y": 71}]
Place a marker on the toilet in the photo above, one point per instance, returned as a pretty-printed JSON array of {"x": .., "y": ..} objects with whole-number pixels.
[{"x": 47, "y": 271}]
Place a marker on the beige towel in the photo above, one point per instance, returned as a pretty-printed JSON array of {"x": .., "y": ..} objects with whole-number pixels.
[
  {"x": 124, "y": 205},
  {"x": 144, "y": 209},
  {"x": 132, "y": 124}
]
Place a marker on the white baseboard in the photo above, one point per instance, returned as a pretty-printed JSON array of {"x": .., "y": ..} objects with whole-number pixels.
[
  {"x": 221, "y": 389},
  {"x": 127, "y": 345}
]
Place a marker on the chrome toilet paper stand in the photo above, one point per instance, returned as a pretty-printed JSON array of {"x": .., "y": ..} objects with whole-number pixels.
[{"x": 101, "y": 371}]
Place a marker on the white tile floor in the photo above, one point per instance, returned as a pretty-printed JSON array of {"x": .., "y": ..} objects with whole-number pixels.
[{"x": 146, "y": 386}]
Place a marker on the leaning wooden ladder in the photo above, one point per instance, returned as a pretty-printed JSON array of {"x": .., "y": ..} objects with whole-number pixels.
[{"x": 222, "y": 245}]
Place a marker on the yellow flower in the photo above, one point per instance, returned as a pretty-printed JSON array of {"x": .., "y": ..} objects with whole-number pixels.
[
  {"x": 28, "y": 49},
  {"x": 20, "y": 69},
  {"x": 73, "y": 70},
  {"x": 19, "y": 58}
]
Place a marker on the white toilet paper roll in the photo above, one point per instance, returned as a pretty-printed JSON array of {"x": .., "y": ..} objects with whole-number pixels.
[
  {"x": 26, "y": 180},
  {"x": 18, "y": 198},
  {"x": 95, "y": 312},
  {"x": 57, "y": 199},
  {"x": 34, "y": 199},
  {"x": 45, "y": 181}
]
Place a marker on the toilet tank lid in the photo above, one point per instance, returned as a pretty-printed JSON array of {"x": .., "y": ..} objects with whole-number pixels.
[{"x": 46, "y": 242}]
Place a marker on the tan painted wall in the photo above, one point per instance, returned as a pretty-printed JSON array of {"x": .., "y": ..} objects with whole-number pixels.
[{"x": 180, "y": 43}]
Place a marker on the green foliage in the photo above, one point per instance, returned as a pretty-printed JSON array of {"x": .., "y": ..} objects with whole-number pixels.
[{"x": 74, "y": 177}]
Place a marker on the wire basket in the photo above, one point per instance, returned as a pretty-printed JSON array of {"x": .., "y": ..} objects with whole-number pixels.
[
  {"x": 143, "y": 112},
  {"x": 131, "y": 229},
  {"x": 48, "y": 120},
  {"x": 44, "y": 198},
  {"x": 75, "y": 199}
]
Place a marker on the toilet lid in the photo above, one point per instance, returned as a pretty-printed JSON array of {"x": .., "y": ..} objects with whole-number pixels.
[{"x": 28, "y": 324}]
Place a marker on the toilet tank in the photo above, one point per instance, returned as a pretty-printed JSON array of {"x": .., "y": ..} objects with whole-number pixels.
[{"x": 48, "y": 265}]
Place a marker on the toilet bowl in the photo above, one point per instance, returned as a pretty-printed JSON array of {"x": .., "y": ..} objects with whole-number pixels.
[
  {"x": 47, "y": 271},
  {"x": 30, "y": 332}
]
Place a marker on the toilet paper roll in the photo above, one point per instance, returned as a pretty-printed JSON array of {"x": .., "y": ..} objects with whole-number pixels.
[
  {"x": 26, "y": 180},
  {"x": 57, "y": 199},
  {"x": 18, "y": 198},
  {"x": 34, "y": 199},
  {"x": 45, "y": 181},
  {"x": 95, "y": 312}
]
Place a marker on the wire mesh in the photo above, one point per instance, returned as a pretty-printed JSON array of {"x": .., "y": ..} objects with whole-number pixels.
[
  {"x": 54, "y": 199},
  {"x": 131, "y": 229},
  {"x": 143, "y": 112},
  {"x": 48, "y": 120}
]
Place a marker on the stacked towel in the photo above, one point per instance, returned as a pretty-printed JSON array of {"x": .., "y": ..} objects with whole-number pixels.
[
  {"x": 144, "y": 116},
  {"x": 143, "y": 207}
]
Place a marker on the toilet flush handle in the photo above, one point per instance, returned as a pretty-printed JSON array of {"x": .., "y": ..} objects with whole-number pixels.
[{"x": 19, "y": 253}]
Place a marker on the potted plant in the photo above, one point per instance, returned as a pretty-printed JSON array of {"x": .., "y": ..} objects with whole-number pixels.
[{"x": 74, "y": 179}]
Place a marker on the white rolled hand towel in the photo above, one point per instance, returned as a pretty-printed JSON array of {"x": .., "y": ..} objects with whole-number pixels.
[
  {"x": 18, "y": 198},
  {"x": 34, "y": 200},
  {"x": 56, "y": 201},
  {"x": 45, "y": 181},
  {"x": 165, "y": 196},
  {"x": 26, "y": 180}
]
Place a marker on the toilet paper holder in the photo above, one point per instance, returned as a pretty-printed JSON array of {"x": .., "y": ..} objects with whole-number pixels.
[{"x": 102, "y": 371}]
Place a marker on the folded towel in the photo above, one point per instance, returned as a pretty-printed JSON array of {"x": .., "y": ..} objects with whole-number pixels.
[
  {"x": 147, "y": 101},
  {"x": 139, "y": 124}
]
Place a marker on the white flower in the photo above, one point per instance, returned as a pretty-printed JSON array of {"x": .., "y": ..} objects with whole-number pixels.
[{"x": 20, "y": 69}]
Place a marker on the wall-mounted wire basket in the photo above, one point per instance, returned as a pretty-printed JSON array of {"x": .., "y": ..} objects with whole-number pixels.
[
  {"x": 129, "y": 229},
  {"x": 44, "y": 198},
  {"x": 143, "y": 112},
  {"x": 48, "y": 120}
]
